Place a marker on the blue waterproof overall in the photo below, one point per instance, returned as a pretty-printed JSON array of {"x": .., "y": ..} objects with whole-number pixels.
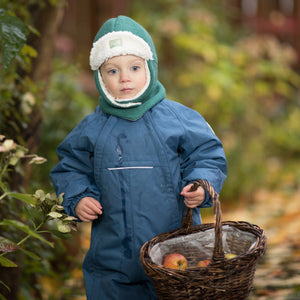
[{"x": 136, "y": 170}]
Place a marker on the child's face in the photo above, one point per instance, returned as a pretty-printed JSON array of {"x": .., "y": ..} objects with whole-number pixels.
[{"x": 124, "y": 76}]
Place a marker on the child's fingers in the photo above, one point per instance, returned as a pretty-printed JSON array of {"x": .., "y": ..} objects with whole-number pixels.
[
  {"x": 186, "y": 190},
  {"x": 192, "y": 194},
  {"x": 96, "y": 207},
  {"x": 92, "y": 205},
  {"x": 193, "y": 202},
  {"x": 86, "y": 214},
  {"x": 193, "y": 199},
  {"x": 88, "y": 218},
  {"x": 88, "y": 209}
]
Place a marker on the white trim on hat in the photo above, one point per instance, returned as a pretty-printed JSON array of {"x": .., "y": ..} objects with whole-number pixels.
[{"x": 118, "y": 43}]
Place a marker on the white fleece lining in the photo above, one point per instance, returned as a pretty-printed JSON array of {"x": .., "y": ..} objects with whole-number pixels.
[
  {"x": 118, "y": 102},
  {"x": 118, "y": 43}
]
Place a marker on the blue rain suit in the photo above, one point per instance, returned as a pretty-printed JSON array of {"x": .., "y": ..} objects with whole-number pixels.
[{"x": 136, "y": 170}]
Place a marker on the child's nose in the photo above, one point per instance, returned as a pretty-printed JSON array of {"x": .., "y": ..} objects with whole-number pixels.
[{"x": 125, "y": 76}]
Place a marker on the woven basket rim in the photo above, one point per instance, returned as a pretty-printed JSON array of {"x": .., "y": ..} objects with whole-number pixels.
[{"x": 255, "y": 252}]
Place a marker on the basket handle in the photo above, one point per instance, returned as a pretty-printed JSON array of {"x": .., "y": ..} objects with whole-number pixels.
[{"x": 187, "y": 221}]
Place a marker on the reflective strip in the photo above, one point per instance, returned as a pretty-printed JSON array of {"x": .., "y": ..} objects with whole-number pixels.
[{"x": 125, "y": 168}]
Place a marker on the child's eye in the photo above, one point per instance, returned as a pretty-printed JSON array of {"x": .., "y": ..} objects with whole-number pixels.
[
  {"x": 112, "y": 71},
  {"x": 135, "y": 68}
]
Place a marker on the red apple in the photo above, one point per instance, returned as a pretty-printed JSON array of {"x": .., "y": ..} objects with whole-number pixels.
[
  {"x": 204, "y": 263},
  {"x": 175, "y": 261}
]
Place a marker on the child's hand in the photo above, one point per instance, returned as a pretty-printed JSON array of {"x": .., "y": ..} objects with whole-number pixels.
[
  {"x": 88, "y": 209},
  {"x": 195, "y": 198}
]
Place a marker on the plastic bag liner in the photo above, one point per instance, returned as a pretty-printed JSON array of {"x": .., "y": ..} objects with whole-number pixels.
[{"x": 201, "y": 244}]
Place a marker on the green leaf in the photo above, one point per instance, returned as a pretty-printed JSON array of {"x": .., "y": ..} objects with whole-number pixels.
[
  {"x": 21, "y": 226},
  {"x": 8, "y": 288},
  {"x": 61, "y": 198},
  {"x": 13, "y": 35},
  {"x": 30, "y": 254},
  {"x": 29, "y": 51},
  {"x": 39, "y": 194},
  {"x": 27, "y": 198},
  {"x": 61, "y": 235},
  {"x": 55, "y": 215},
  {"x": 57, "y": 208},
  {"x": 1, "y": 296},
  {"x": 5, "y": 262},
  {"x": 64, "y": 228},
  {"x": 14, "y": 160},
  {"x": 70, "y": 218},
  {"x": 38, "y": 160}
]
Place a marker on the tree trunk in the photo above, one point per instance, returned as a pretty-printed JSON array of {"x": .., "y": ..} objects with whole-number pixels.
[
  {"x": 47, "y": 21},
  {"x": 82, "y": 21}
]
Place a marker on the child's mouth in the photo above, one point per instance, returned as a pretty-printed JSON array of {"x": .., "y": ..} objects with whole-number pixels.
[{"x": 126, "y": 90}]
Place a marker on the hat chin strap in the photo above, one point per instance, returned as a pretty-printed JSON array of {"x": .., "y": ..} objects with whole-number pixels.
[{"x": 128, "y": 102}]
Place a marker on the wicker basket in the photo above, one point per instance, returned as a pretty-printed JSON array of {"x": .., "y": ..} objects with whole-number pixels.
[{"x": 223, "y": 278}]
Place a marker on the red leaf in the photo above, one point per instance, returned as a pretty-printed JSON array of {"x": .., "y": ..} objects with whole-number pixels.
[{"x": 7, "y": 246}]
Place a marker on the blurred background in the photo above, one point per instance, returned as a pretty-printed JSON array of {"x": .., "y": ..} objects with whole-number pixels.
[{"x": 236, "y": 62}]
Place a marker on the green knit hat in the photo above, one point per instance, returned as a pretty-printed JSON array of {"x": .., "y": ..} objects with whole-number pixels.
[{"x": 122, "y": 36}]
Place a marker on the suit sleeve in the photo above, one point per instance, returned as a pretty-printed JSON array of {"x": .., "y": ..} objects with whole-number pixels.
[
  {"x": 74, "y": 174},
  {"x": 201, "y": 152}
]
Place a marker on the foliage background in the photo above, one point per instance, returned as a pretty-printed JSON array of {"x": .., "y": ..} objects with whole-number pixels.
[{"x": 245, "y": 84}]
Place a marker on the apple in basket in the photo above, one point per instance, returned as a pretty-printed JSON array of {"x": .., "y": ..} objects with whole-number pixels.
[
  {"x": 175, "y": 261},
  {"x": 204, "y": 263},
  {"x": 230, "y": 255}
]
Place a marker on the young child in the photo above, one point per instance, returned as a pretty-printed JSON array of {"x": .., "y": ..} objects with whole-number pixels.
[{"x": 128, "y": 166}]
